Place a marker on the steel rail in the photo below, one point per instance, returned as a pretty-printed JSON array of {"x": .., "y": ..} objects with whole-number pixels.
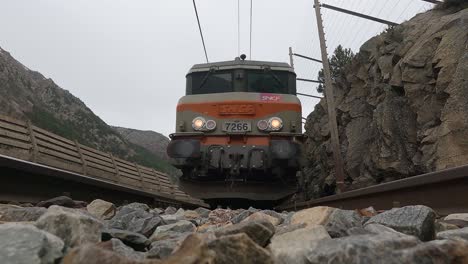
[
  {"x": 21, "y": 179},
  {"x": 445, "y": 191}
]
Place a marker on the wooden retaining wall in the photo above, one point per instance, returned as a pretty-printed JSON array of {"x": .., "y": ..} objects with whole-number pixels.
[{"x": 25, "y": 141}]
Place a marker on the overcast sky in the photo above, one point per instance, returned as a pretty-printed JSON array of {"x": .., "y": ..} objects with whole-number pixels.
[{"x": 127, "y": 59}]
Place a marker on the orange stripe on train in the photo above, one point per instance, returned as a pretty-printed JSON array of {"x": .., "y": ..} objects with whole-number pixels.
[{"x": 239, "y": 109}]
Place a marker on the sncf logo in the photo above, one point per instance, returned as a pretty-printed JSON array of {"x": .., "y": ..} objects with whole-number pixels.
[{"x": 270, "y": 97}]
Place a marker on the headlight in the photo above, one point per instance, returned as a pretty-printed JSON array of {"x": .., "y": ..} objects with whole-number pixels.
[
  {"x": 275, "y": 123},
  {"x": 198, "y": 123},
  {"x": 210, "y": 124},
  {"x": 262, "y": 125}
]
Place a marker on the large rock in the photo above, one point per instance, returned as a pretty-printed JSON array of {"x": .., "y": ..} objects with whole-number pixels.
[
  {"x": 239, "y": 249},
  {"x": 101, "y": 209},
  {"x": 72, "y": 226},
  {"x": 203, "y": 212},
  {"x": 359, "y": 249},
  {"x": 259, "y": 216},
  {"x": 455, "y": 233},
  {"x": 401, "y": 106},
  {"x": 92, "y": 254},
  {"x": 120, "y": 248},
  {"x": 21, "y": 214},
  {"x": 340, "y": 221},
  {"x": 388, "y": 249},
  {"x": 136, "y": 217},
  {"x": 312, "y": 216},
  {"x": 460, "y": 217},
  {"x": 21, "y": 243},
  {"x": 416, "y": 220},
  {"x": 162, "y": 249},
  {"x": 135, "y": 240},
  {"x": 260, "y": 231},
  {"x": 173, "y": 230},
  {"x": 292, "y": 247}
]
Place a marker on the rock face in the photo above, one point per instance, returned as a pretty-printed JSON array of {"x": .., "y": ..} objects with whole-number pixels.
[{"x": 402, "y": 109}]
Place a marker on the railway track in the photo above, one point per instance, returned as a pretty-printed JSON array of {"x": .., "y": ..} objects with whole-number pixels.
[
  {"x": 445, "y": 191},
  {"x": 28, "y": 182}
]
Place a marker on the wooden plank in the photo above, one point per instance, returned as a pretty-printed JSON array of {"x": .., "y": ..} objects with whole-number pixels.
[
  {"x": 130, "y": 176},
  {"x": 52, "y": 135},
  {"x": 55, "y": 142},
  {"x": 15, "y": 143},
  {"x": 123, "y": 165},
  {"x": 14, "y": 135},
  {"x": 122, "y": 169},
  {"x": 98, "y": 161},
  {"x": 96, "y": 156},
  {"x": 12, "y": 121},
  {"x": 59, "y": 155},
  {"x": 128, "y": 163},
  {"x": 12, "y": 127},
  {"x": 98, "y": 166},
  {"x": 45, "y": 144}
]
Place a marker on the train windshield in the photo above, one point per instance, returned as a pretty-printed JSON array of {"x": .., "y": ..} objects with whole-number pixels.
[
  {"x": 211, "y": 82},
  {"x": 267, "y": 82},
  {"x": 241, "y": 80}
]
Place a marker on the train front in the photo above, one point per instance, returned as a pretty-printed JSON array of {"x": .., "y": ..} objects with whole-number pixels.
[{"x": 238, "y": 131}]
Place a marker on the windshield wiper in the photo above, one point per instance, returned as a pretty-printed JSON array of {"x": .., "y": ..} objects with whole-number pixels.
[{"x": 205, "y": 78}]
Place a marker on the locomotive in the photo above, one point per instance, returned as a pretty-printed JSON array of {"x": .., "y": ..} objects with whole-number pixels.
[{"x": 238, "y": 131}]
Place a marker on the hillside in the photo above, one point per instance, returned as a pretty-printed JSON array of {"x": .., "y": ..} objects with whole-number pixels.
[
  {"x": 152, "y": 141},
  {"x": 402, "y": 108},
  {"x": 28, "y": 95}
]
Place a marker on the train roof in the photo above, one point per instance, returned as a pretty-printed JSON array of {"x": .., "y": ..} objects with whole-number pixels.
[{"x": 241, "y": 64}]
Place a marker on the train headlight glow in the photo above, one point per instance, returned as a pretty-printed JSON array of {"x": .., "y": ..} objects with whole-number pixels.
[
  {"x": 210, "y": 124},
  {"x": 275, "y": 123},
  {"x": 198, "y": 123}
]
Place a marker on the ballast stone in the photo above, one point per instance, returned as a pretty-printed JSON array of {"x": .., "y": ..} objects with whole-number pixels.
[
  {"x": 418, "y": 220},
  {"x": 136, "y": 218},
  {"x": 72, "y": 226},
  {"x": 293, "y": 247},
  {"x": 21, "y": 214},
  {"x": 23, "y": 243},
  {"x": 260, "y": 231},
  {"x": 455, "y": 233},
  {"x": 101, "y": 209}
]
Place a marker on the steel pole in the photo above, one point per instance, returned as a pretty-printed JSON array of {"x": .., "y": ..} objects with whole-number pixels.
[{"x": 335, "y": 142}]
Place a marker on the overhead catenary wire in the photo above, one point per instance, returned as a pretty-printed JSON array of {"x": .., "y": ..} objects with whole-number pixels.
[
  {"x": 238, "y": 27},
  {"x": 201, "y": 33},
  {"x": 250, "y": 47}
]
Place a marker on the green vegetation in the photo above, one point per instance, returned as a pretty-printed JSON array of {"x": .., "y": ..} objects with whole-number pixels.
[{"x": 340, "y": 59}]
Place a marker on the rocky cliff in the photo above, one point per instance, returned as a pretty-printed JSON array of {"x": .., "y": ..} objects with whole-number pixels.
[
  {"x": 402, "y": 108},
  {"x": 27, "y": 94}
]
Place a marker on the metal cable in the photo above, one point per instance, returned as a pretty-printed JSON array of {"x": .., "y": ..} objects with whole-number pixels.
[
  {"x": 250, "y": 48},
  {"x": 201, "y": 33},
  {"x": 238, "y": 27}
]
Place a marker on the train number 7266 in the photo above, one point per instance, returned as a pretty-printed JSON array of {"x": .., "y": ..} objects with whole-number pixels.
[{"x": 236, "y": 126}]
